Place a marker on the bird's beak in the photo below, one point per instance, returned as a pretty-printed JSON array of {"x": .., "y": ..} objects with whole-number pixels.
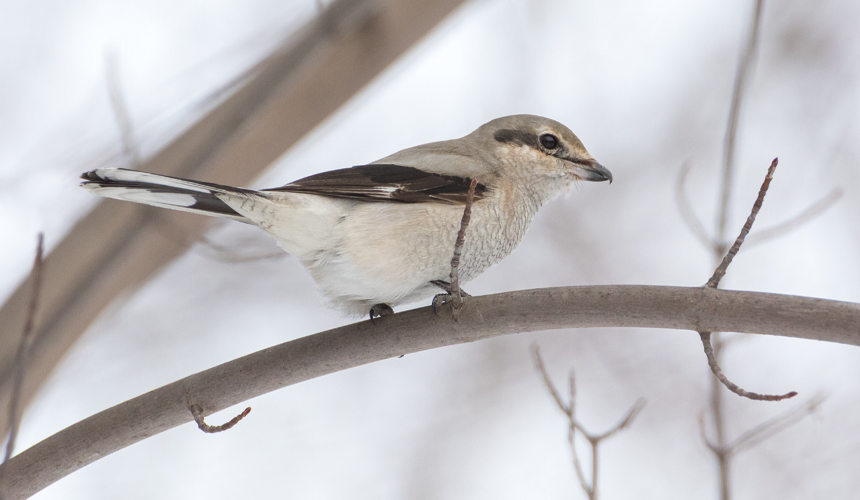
[{"x": 590, "y": 170}]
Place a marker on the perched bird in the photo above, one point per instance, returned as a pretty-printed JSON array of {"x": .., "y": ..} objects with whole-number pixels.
[{"x": 380, "y": 235}]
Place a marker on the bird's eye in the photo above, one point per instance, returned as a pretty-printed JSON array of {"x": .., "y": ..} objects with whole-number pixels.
[{"x": 549, "y": 141}]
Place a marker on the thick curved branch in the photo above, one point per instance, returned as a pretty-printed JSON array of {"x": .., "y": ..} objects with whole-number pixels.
[{"x": 698, "y": 309}]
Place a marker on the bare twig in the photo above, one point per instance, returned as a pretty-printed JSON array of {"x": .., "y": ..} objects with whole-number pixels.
[
  {"x": 723, "y": 459},
  {"x": 704, "y": 435},
  {"x": 223, "y": 253},
  {"x": 197, "y": 412},
  {"x": 795, "y": 222},
  {"x": 572, "y": 427},
  {"x": 624, "y": 422},
  {"x": 214, "y": 251},
  {"x": 775, "y": 425},
  {"x": 741, "y": 79},
  {"x": 120, "y": 112},
  {"x": 594, "y": 440},
  {"x": 577, "y": 465},
  {"x": 456, "y": 296},
  {"x": 762, "y": 431},
  {"x": 686, "y": 209},
  {"x": 567, "y": 410},
  {"x": 714, "y": 282},
  {"x": 718, "y": 372},
  {"x": 21, "y": 355}
]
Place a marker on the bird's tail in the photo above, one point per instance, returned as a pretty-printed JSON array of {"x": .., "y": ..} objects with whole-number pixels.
[{"x": 162, "y": 191}]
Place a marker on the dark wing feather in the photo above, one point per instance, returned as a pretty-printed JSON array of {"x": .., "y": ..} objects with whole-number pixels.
[{"x": 383, "y": 182}]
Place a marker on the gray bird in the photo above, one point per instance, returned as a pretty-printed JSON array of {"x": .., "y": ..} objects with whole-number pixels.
[{"x": 381, "y": 235}]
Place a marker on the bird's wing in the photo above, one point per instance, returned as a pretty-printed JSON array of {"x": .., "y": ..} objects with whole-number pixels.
[{"x": 386, "y": 182}]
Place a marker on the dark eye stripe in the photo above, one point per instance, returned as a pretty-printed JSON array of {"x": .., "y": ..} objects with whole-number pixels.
[{"x": 507, "y": 136}]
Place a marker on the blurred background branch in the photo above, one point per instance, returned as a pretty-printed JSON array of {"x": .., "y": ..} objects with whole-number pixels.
[
  {"x": 15, "y": 407},
  {"x": 118, "y": 246},
  {"x": 569, "y": 410}
]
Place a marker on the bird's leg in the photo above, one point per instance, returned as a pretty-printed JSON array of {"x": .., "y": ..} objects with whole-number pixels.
[
  {"x": 443, "y": 298},
  {"x": 380, "y": 310}
]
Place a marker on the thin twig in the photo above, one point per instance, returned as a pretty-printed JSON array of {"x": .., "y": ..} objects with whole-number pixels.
[
  {"x": 724, "y": 265},
  {"x": 577, "y": 465},
  {"x": 594, "y": 440},
  {"x": 538, "y": 359},
  {"x": 741, "y": 80},
  {"x": 216, "y": 251},
  {"x": 197, "y": 412},
  {"x": 795, "y": 222},
  {"x": 120, "y": 112},
  {"x": 685, "y": 207},
  {"x": 704, "y": 435},
  {"x": 223, "y": 253},
  {"x": 718, "y": 372},
  {"x": 458, "y": 250},
  {"x": 624, "y": 422},
  {"x": 775, "y": 425},
  {"x": 23, "y": 351}
]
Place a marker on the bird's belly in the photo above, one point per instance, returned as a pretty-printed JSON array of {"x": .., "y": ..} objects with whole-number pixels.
[{"x": 388, "y": 253}]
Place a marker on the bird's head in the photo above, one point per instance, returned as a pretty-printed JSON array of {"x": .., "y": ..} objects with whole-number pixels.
[{"x": 529, "y": 146}]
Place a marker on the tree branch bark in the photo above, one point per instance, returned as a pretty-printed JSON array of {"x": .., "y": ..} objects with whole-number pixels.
[{"x": 696, "y": 309}]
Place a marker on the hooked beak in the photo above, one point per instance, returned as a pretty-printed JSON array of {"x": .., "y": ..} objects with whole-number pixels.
[{"x": 590, "y": 170}]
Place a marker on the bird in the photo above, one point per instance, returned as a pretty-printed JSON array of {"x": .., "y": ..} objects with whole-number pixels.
[{"x": 382, "y": 234}]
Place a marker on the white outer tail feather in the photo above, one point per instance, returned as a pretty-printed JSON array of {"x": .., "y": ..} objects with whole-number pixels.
[{"x": 160, "y": 191}]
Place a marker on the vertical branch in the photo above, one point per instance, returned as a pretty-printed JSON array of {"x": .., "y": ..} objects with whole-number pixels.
[
  {"x": 455, "y": 292},
  {"x": 719, "y": 246},
  {"x": 741, "y": 79},
  {"x": 594, "y": 463},
  {"x": 120, "y": 111},
  {"x": 719, "y": 426},
  {"x": 21, "y": 355}
]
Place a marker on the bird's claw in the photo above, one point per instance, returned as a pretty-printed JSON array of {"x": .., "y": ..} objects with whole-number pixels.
[
  {"x": 380, "y": 310},
  {"x": 440, "y": 299}
]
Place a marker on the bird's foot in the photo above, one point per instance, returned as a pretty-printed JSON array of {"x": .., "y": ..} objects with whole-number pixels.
[
  {"x": 380, "y": 310},
  {"x": 441, "y": 299}
]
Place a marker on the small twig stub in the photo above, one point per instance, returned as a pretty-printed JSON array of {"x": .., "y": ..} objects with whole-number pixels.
[{"x": 197, "y": 412}]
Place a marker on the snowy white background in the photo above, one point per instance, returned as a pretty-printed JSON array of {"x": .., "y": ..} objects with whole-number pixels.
[{"x": 645, "y": 86}]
